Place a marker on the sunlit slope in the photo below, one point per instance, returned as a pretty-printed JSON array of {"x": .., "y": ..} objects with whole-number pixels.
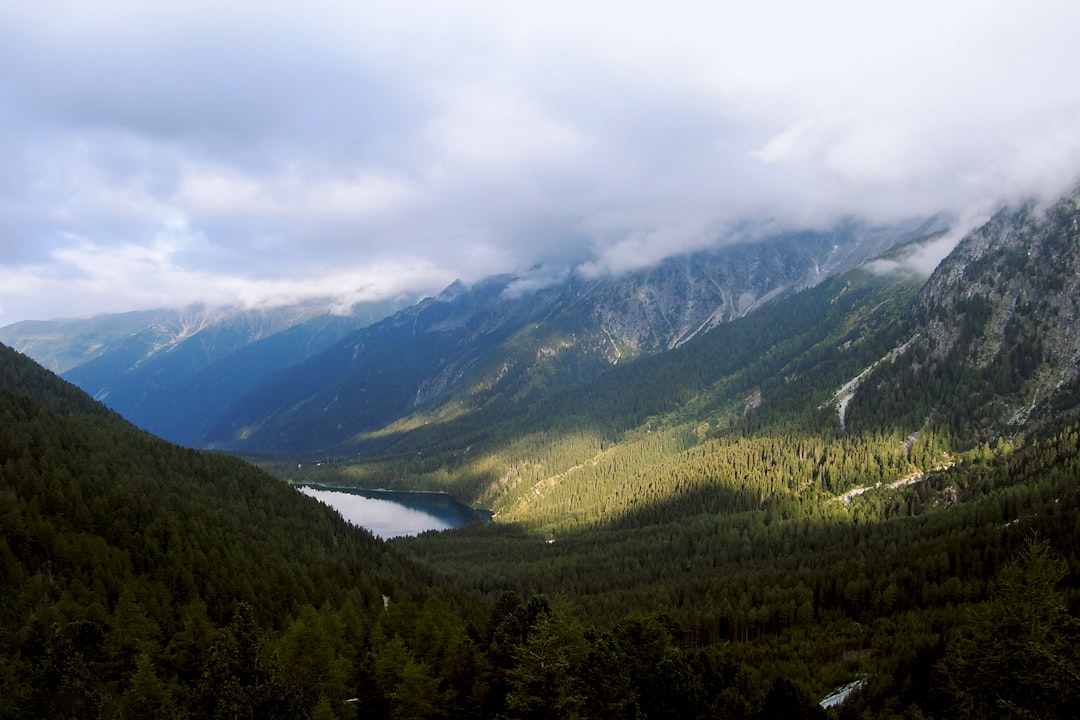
[
  {"x": 984, "y": 349},
  {"x": 641, "y": 433},
  {"x": 729, "y": 565}
]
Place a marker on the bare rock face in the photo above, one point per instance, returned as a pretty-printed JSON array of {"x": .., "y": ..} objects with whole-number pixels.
[
  {"x": 663, "y": 307},
  {"x": 1006, "y": 304}
]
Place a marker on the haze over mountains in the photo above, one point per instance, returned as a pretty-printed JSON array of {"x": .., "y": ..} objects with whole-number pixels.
[
  {"x": 985, "y": 348},
  {"x": 171, "y": 370}
]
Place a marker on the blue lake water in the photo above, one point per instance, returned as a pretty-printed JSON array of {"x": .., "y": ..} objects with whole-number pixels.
[{"x": 390, "y": 514}]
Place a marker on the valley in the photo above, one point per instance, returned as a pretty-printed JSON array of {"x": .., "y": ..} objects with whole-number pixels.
[
  {"x": 847, "y": 482},
  {"x": 539, "y": 361}
]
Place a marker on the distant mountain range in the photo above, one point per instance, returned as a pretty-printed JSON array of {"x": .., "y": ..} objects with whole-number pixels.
[
  {"x": 298, "y": 379},
  {"x": 174, "y": 371}
]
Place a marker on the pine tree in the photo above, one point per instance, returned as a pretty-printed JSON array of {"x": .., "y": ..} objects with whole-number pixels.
[{"x": 1018, "y": 656}]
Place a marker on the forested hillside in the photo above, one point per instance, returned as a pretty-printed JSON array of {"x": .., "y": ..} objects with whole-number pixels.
[
  {"x": 793, "y": 490},
  {"x": 145, "y": 580},
  {"x": 787, "y": 504}
]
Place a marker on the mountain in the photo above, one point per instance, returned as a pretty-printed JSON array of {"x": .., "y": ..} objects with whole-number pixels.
[
  {"x": 208, "y": 377},
  {"x": 986, "y": 348},
  {"x": 994, "y": 338},
  {"x": 784, "y": 362},
  {"x": 141, "y": 579},
  {"x": 515, "y": 338},
  {"x": 796, "y": 500},
  {"x": 170, "y": 370},
  {"x": 869, "y": 482}
]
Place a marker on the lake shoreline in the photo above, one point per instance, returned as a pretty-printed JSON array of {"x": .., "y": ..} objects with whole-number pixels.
[{"x": 395, "y": 513}]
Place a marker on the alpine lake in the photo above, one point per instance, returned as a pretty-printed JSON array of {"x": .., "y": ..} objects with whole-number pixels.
[{"x": 396, "y": 513}]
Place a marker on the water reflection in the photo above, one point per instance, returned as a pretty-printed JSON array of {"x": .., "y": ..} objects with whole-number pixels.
[{"x": 383, "y": 518}]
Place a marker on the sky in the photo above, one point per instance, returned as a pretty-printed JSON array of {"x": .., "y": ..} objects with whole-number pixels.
[{"x": 258, "y": 153}]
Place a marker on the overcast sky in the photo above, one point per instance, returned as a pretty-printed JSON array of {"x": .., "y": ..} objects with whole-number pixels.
[{"x": 161, "y": 153}]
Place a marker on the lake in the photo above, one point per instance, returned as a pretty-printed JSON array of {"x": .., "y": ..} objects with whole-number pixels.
[{"x": 396, "y": 513}]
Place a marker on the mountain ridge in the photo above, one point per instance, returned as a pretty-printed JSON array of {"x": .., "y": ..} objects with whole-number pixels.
[
  {"x": 461, "y": 350},
  {"x": 692, "y": 534},
  {"x": 167, "y": 370},
  {"x": 184, "y": 375},
  {"x": 999, "y": 323}
]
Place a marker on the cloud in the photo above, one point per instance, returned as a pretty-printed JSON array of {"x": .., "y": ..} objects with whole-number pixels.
[
  {"x": 534, "y": 279},
  {"x": 152, "y": 277},
  {"x": 242, "y": 149},
  {"x": 920, "y": 259}
]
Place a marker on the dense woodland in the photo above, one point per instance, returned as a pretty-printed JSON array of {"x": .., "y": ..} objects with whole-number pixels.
[{"x": 717, "y": 542}]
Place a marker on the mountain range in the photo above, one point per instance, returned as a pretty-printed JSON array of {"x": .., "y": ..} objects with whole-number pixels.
[
  {"x": 707, "y": 503},
  {"x": 301, "y": 380},
  {"x": 444, "y": 395},
  {"x": 455, "y": 392},
  {"x": 987, "y": 347},
  {"x": 171, "y": 370}
]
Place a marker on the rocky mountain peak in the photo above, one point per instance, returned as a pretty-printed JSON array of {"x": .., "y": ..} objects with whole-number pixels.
[{"x": 996, "y": 328}]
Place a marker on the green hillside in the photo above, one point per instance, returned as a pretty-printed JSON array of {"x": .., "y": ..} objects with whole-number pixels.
[
  {"x": 138, "y": 572},
  {"x": 785, "y": 505},
  {"x": 730, "y": 487},
  {"x": 773, "y": 372}
]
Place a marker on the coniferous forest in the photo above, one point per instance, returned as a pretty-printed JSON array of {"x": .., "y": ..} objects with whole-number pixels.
[{"x": 717, "y": 531}]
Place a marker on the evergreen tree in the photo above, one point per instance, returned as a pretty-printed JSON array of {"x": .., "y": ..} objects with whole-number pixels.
[{"x": 1019, "y": 654}]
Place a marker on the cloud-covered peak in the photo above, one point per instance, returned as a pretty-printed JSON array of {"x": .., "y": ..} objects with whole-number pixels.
[{"x": 246, "y": 152}]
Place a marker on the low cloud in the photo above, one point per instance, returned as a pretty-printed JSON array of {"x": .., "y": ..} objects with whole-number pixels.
[
  {"x": 534, "y": 280},
  {"x": 152, "y": 278},
  {"x": 186, "y": 151},
  {"x": 922, "y": 258}
]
